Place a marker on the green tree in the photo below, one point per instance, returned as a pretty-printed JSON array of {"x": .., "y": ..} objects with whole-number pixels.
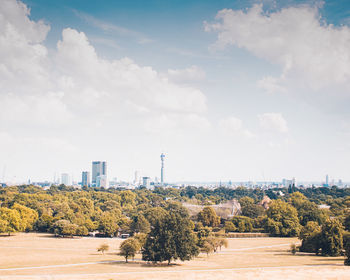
[
  {"x": 332, "y": 238},
  {"x": 82, "y": 231},
  {"x": 128, "y": 248},
  {"x": 108, "y": 223},
  {"x": 28, "y": 216},
  {"x": 310, "y": 237},
  {"x": 230, "y": 227},
  {"x": 154, "y": 214},
  {"x": 140, "y": 224},
  {"x": 11, "y": 220},
  {"x": 347, "y": 248},
  {"x": 202, "y": 233},
  {"x": 347, "y": 223},
  {"x": 208, "y": 217},
  {"x": 246, "y": 201},
  {"x": 44, "y": 223},
  {"x": 127, "y": 197},
  {"x": 252, "y": 210},
  {"x": 283, "y": 219},
  {"x": 64, "y": 228},
  {"x": 141, "y": 238},
  {"x": 171, "y": 238},
  {"x": 242, "y": 224},
  {"x": 307, "y": 210}
]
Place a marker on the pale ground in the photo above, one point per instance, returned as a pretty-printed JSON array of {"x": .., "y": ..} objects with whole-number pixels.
[{"x": 41, "y": 256}]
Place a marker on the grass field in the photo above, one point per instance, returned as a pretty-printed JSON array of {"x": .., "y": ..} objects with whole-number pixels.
[{"x": 41, "y": 256}]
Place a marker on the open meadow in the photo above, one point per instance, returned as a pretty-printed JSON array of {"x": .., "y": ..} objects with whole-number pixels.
[{"x": 42, "y": 256}]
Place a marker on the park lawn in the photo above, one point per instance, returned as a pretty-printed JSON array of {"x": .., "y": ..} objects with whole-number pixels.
[{"x": 42, "y": 256}]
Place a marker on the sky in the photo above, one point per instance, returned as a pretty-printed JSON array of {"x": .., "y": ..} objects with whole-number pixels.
[{"x": 228, "y": 90}]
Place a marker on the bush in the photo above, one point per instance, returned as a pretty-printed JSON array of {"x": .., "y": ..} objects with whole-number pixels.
[
  {"x": 242, "y": 224},
  {"x": 103, "y": 248},
  {"x": 229, "y": 227},
  {"x": 293, "y": 248}
]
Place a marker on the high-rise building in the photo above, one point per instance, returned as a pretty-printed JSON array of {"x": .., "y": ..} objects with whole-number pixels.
[
  {"x": 146, "y": 182},
  {"x": 85, "y": 179},
  {"x": 99, "y": 168},
  {"x": 162, "y": 156},
  {"x": 327, "y": 180},
  {"x": 136, "y": 179},
  {"x": 101, "y": 181},
  {"x": 65, "y": 180}
]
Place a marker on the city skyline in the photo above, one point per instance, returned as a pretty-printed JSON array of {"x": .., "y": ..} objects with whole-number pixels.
[{"x": 228, "y": 90}]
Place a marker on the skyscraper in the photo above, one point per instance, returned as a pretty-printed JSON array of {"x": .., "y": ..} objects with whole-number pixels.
[
  {"x": 162, "y": 156},
  {"x": 327, "y": 180},
  {"x": 65, "y": 180},
  {"x": 101, "y": 181},
  {"x": 136, "y": 179},
  {"x": 99, "y": 168},
  {"x": 85, "y": 179},
  {"x": 146, "y": 182}
]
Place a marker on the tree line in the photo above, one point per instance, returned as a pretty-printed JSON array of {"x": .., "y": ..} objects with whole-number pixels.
[{"x": 156, "y": 219}]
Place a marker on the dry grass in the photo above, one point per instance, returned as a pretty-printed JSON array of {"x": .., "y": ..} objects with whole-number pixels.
[{"x": 36, "y": 256}]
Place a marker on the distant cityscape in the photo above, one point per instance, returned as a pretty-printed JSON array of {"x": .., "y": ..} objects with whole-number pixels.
[{"x": 97, "y": 177}]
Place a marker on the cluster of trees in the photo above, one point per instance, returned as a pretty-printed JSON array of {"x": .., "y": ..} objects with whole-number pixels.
[
  {"x": 17, "y": 218},
  {"x": 156, "y": 218}
]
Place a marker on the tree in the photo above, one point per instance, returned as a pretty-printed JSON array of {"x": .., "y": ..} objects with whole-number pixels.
[
  {"x": 332, "y": 238},
  {"x": 246, "y": 201},
  {"x": 252, "y": 210},
  {"x": 242, "y": 224},
  {"x": 176, "y": 207},
  {"x": 140, "y": 224},
  {"x": 65, "y": 228},
  {"x": 127, "y": 197},
  {"x": 155, "y": 213},
  {"x": 108, "y": 223},
  {"x": 44, "y": 223},
  {"x": 10, "y": 220},
  {"x": 307, "y": 210},
  {"x": 28, "y": 216},
  {"x": 293, "y": 248},
  {"x": 208, "y": 217},
  {"x": 207, "y": 247},
  {"x": 202, "y": 233},
  {"x": 128, "y": 248},
  {"x": 103, "y": 247},
  {"x": 171, "y": 238},
  {"x": 310, "y": 237},
  {"x": 347, "y": 223},
  {"x": 82, "y": 231},
  {"x": 230, "y": 227},
  {"x": 223, "y": 242},
  {"x": 283, "y": 219},
  {"x": 141, "y": 238},
  {"x": 347, "y": 248}
]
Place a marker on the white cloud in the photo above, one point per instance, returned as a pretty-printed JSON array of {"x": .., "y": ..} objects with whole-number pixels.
[
  {"x": 234, "y": 126},
  {"x": 74, "y": 83},
  {"x": 190, "y": 74},
  {"x": 273, "y": 122},
  {"x": 113, "y": 28},
  {"x": 118, "y": 80},
  {"x": 71, "y": 93},
  {"x": 271, "y": 85},
  {"x": 22, "y": 55},
  {"x": 315, "y": 53}
]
